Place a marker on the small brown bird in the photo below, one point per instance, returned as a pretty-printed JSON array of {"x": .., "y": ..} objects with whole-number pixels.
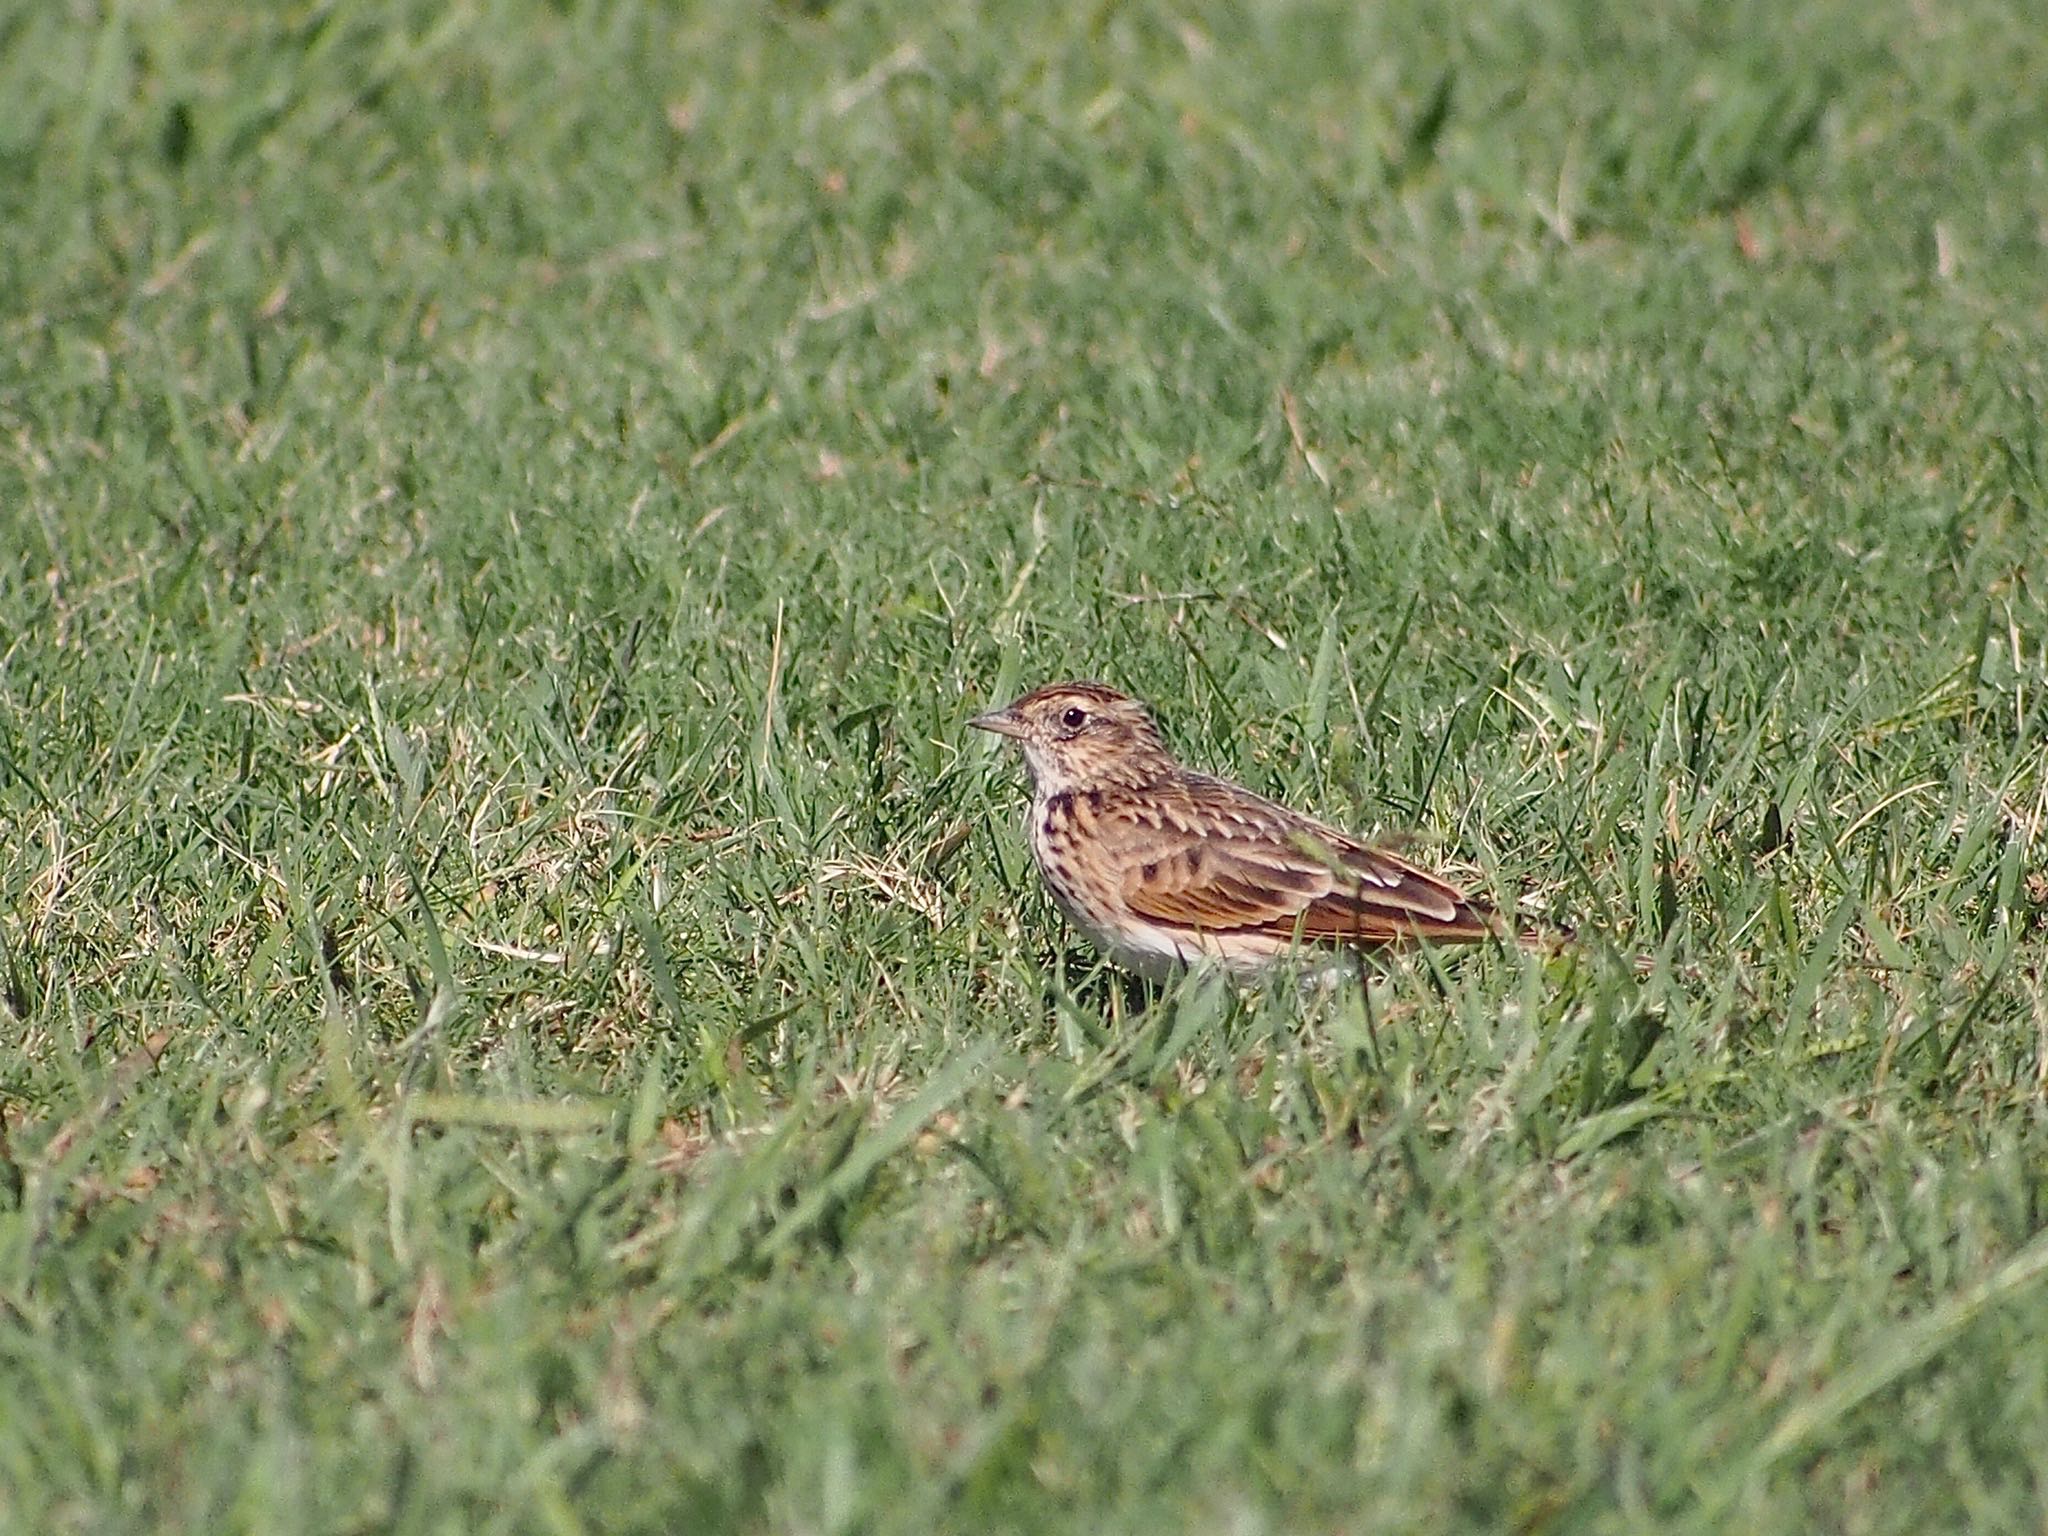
[{"x": 1160, "y": 866}]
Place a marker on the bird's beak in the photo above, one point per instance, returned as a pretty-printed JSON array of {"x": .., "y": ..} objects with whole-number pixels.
[{"x": 1000, "y": 721}]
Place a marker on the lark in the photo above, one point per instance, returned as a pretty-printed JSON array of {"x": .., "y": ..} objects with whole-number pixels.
[{"x": 1162, "y": 867}]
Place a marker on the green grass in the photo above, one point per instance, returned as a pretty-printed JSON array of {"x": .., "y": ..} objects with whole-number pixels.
[{"x": 525, "y": 1008}]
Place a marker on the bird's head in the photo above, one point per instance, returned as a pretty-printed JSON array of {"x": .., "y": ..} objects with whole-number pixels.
[{"x": 1079, "y": 734}]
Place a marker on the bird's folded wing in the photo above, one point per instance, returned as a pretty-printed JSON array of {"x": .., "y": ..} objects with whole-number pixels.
[{"x": 1335, "y": 891}]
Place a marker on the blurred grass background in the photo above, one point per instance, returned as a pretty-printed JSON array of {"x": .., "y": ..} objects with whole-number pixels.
[{"x": 524, "y": 1010}]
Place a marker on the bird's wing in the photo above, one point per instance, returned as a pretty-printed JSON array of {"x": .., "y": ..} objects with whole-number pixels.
[{"x": 1241, "y": 866}]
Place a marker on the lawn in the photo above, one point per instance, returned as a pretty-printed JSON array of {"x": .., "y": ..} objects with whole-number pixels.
[{"x": 524, "y": 1007}]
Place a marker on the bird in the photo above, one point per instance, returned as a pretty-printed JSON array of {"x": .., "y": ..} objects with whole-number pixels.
[{"x": 1163, "y": 868}]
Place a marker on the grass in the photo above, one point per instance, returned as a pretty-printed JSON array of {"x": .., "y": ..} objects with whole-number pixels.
[{"x": 525, "y": 1008}]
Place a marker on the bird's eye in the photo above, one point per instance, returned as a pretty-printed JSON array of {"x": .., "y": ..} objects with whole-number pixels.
[{"x": 1074, "y": 718}]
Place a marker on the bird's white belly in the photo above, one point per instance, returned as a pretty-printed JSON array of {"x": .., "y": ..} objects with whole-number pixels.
[
  {"x": 1147, "y": 951},
  {"x": 1154, "y": 953},
  {"x": 1151, "y": 953}
]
